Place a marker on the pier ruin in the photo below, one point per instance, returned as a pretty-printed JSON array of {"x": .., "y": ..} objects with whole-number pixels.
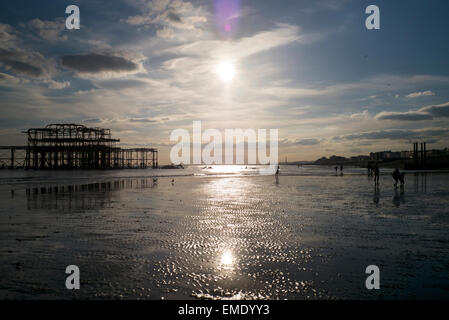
[{"x": 74, "y": 146}]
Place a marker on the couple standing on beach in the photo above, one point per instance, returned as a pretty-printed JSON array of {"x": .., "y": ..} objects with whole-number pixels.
[
  {"x": 341, "y": 169},
  {"x": 398, "y": 176}
]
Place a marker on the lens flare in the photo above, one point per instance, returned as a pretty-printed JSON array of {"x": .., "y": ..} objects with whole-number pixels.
[{"x": 227, "y": 13}]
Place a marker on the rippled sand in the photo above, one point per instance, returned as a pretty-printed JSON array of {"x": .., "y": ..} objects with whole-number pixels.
[{"x": 301, "y": 237}]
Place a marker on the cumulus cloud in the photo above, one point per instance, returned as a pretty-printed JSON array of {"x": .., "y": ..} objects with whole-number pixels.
[
  {"x": 420, "y": 94},
  {"x": 94, "y": 63},
  {"x": 425, "y": 113}
]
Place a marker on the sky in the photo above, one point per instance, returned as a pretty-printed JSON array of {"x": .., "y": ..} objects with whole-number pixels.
[{"x": 310, "y": 69}]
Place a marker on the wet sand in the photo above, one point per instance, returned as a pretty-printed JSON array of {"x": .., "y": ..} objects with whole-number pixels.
[{"x": 227, "y": 237}]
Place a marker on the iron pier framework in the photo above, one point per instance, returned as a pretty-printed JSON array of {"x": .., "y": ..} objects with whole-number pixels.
[{"x": 74, "y": 146}]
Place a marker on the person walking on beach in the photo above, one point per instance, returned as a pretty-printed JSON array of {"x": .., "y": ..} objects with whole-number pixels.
[
  {"x": 277, "y": 170},
  {"x": 396, "y": 175},
  {"x": 341, "y": 170},
  {"x": 336, "y": 170},
  {"x": 376, "y": 174}
]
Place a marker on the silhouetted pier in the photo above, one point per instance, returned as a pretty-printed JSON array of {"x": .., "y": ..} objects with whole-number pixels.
[{"x": 74, "y": 146}]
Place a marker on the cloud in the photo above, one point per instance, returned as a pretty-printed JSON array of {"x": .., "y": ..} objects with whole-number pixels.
[
  {"x": 7, "y": 35},
  {"x": 52, "y": 84},
  {"x": 19, "y": 61},
  {"x": 174, "y": 17},
  {"x": 441, "y": 110},
  {"x": 425, "y": 113},
  {"x": 119, "y": 84},
  {"x": 168, "y": 15},
  {"x": 13, "y": 61},
  {"x": 307, "y": 142},
  {"x": 382, "y": 83},
  {"x": 93, "y": 120},
  {"x": 420, "y": 94},
  {"x": 299, "y": 142},
  {"x": 360, "y": 115},
  {"x": 99, "y": 63},
  {"x": 281, "y": 35},
  {"x": 397, "y": 134},
  {"x": 8, "y": 80},
  {"x": 165, "y": 33},
  {"x": 123, "y": 120},
  {"x": 49, "y": 30},
  {"x": 144, "y": 120},
  {"x": 404, "y": 116}
]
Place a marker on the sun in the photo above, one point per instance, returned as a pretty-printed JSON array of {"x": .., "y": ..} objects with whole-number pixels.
[{"x": 226, "y": 71}]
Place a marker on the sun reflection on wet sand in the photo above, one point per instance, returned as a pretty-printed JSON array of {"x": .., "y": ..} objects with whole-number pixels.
[
  {"x": 227, "y": 259},
  {"x": 226, "y": 169}
]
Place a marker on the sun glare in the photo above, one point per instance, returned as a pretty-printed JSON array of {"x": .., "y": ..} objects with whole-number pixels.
[
  {"x": 226, "y": 71},
  {"x": 227, "y": 258}
]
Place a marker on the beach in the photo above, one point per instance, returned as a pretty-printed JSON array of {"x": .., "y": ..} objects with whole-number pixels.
[{"x": 223, "y": 233}]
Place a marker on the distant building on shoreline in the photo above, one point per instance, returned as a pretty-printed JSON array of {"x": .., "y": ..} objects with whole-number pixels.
[
  {"x": 416, "y": 157},
  {"x": 384, "y": 155}
]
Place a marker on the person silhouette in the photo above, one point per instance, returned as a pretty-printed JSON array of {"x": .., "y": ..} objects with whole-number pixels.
[
  {"x": 396, "y": 175},
  {"x": 376, "y": 174}
]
